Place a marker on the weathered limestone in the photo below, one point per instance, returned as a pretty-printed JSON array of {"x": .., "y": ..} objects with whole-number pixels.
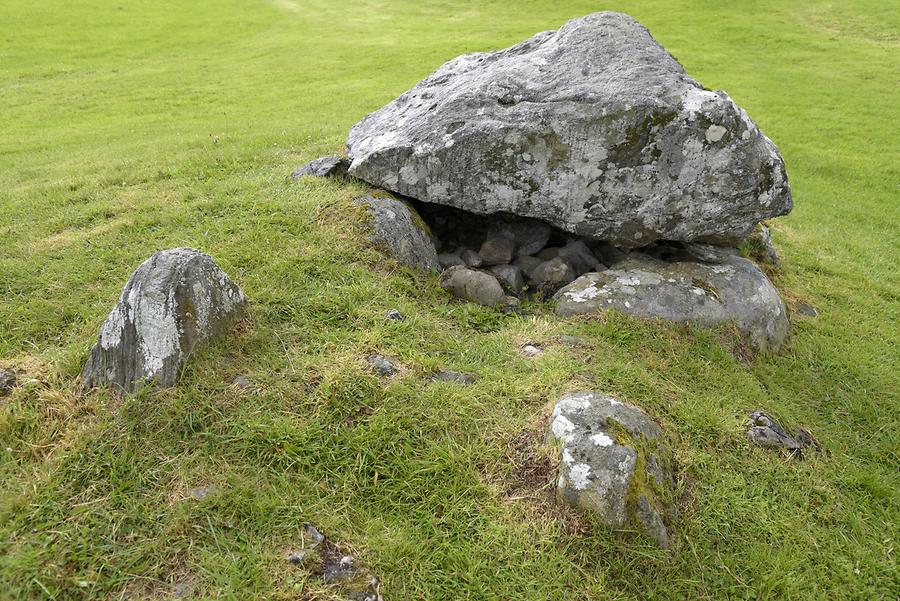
[
  {"x": 174, "y": 303},
  {"x": 612, "y": 462},
  {"x": 593, "y": 128},
  {"x": 731, "y": 289},
  {"x": 397, "y": 226}
]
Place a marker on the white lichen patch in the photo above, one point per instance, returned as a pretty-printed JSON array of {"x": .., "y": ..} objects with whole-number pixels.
[
  {"x": 579, "y": 476},
  {"x": 602, "y": 440},
  {"x": 715, "y": 133},
  {"x": 585, "y": 294},
  {"x": 562, "y": 427},
  {"x": 112, "y": 329}
]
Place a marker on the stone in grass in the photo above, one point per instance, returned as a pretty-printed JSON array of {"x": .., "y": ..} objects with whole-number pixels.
[
  {"x": 532, "y": 350},
  {"x": 173, "y": 304},
  {"x": 806, "y": 310},
  {"x": 448, "y": 375},
  {"x": 766, "y": 432},
  {"x": 323, "y": 167},
  {"x": 708, "y": 294},
  {"x": 612, "y": 462},
  {"x": 7, "y": 381},
  {"x": 497, "y": 250},
  {"x": 394, "y": 315},
  {"x": 399, "y": 227},
  {"x": 384, "y": 365},
  {"x": 326, "y": 560},
  {"x": 471, "y": 285}
]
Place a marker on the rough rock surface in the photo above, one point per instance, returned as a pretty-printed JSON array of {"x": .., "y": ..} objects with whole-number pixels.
[
  {"x": 497, "y": 250},
  {"x": 611, "y": 462},
  {"x": 765, "y": 431},
  {"x": 399, "y": 227},
  {"x": 475, "y": 286},
  {"x": 593, "y": 128},
  {"x": 510, "y": 277},
  {"x": 176, "y": 301},
  {"x": 732, "y": 289},
  {"x": 7, "y": 381},
  {"x": 323, "y": 167}
]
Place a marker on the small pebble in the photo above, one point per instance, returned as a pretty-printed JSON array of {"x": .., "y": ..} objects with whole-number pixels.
[
  {"x": 395, "y": 315},
  {"x": 807, "y": 310},
  {"x": 7, "y": 381},
  {"x": 530, "y": 350},
  {"x": 447, "y": 375}
]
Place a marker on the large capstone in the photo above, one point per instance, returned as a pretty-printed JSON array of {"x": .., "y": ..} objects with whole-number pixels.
[
  {"x": 612, "y": 463},
  {"x": 593, "y": 128},
  {"x": 696, "y": 284},
  {"x": 174, "y": 303},
  {"x": 397, "y": 226}
]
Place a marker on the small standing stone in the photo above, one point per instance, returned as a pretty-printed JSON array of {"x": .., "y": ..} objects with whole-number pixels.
[{"x": 174, "y": 303}]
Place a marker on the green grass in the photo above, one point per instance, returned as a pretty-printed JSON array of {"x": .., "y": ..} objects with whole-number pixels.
[{"x": 127, "y": 127}]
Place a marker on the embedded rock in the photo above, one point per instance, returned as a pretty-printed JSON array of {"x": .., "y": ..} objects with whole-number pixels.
[
  {"x": 173, "y": 304},
  {"x": 760, "y": 246},
  {"x": 553, "y": 274},
  {"x": 398, "y": 226},
  {"x": 7, "y": 381},
  {"x": 497, "y": 250},
  {"x": 529, "y": 235},
  {"x": 766, "y": 432},
  {"x": 609, "y": 452},
  {"x": 593, "y": 128},
  {"x": 323, "y": 167},
  {"x": 732, "y": 289},
  {"x": 470, "y": 257},
  {"x": 447, "y": 260},
  {"x": 475, "y": 286},
  {"x": 510, "y": 277}
]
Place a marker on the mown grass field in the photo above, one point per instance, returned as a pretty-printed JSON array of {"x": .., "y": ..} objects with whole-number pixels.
[{"x": 131, "y": 126}]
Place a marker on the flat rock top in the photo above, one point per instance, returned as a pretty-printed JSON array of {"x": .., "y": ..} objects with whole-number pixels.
[{"x": 594, "y": 128}]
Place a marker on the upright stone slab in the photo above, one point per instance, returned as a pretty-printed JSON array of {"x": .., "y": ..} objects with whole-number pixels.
[
  {"x": 173, "y": 304},
  {"x": 397, "y": 226},
  {"x": 593, "y": 128}
]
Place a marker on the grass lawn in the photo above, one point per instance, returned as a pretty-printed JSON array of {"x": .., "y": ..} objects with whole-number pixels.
[{"x": 131, "y": 126}]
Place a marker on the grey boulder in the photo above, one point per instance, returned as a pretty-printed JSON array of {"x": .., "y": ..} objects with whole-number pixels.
[
  {"x": 730, "y": 290},
  {"x": 397, "y": 226},
  {"x": 173, "y": 304},
  {"x": 593, "y": 128},
  {"x": 323, "y": 167},
  {"x": 612, "y": 462},
  {"x": 471, "y": 285}
]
